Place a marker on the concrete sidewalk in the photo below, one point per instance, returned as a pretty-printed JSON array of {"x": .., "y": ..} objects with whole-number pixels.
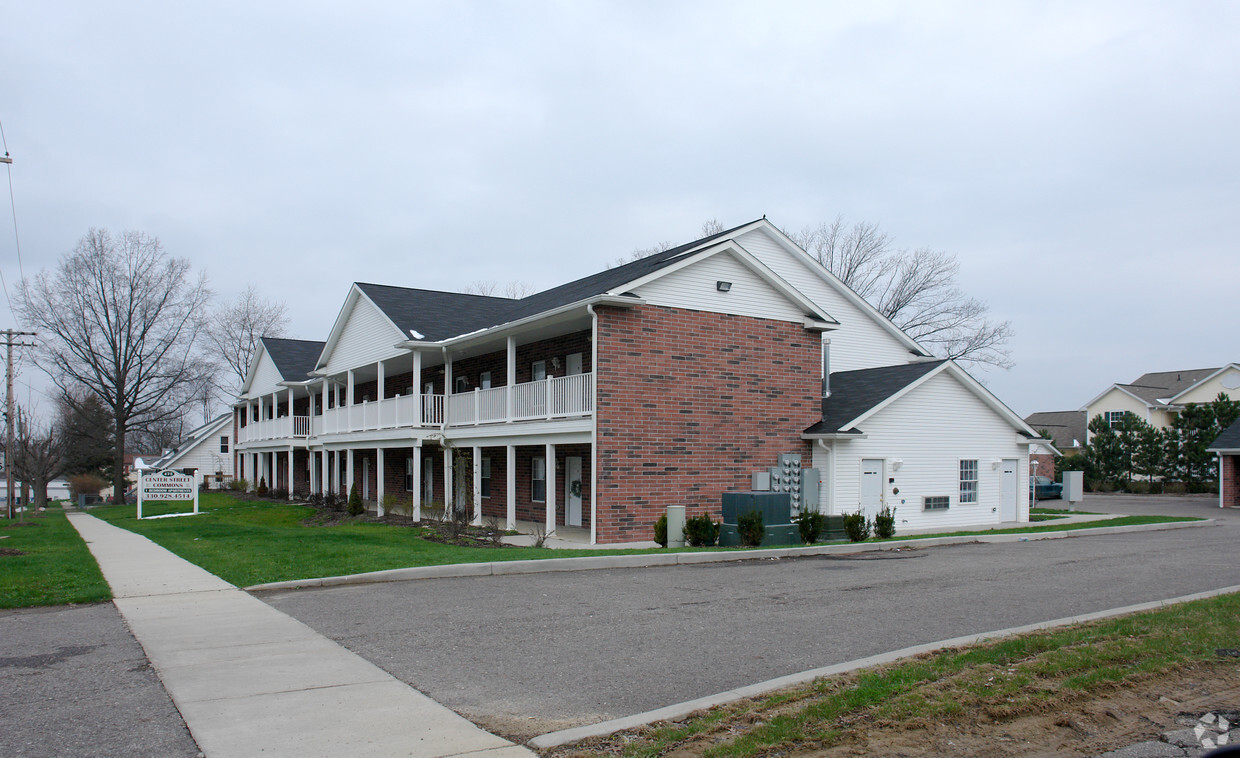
[{"x": 249, "y": 679}]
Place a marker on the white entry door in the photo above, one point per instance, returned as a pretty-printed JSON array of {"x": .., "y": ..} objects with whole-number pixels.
[
  {"x": 1009, "y": 490},
  {"x": 871, "y": 486},
  {"x": 572, "y": 484},
  {"x": 572, "y": 364}
]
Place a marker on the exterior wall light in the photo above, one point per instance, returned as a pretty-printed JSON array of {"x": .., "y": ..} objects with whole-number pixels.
[{"x": 723, "y": 286}]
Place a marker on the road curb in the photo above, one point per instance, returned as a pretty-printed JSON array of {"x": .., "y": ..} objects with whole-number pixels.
[
  {"x": 680, "y": 710},
  {"x": 591, "y": 563}
]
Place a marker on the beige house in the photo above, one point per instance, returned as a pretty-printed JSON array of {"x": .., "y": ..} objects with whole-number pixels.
[{"x": 1157, "y": 398}]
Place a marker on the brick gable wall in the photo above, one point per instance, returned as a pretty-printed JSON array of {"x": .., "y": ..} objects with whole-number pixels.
[{"x": 689, "y": 404}]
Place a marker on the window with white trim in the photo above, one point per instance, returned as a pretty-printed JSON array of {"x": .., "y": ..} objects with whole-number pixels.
[
  {"x": 224, "y": 444},
  {"x": 408, "y": 475},
  {"x": 538, "y": 479},
  {"x": 486, "y": 477},
  {"x": 539, "y": 370},
  {"x": 484, "y": 380},
  {"x": 1115, "y": 418},
  {"x": 968, "y": 481}
]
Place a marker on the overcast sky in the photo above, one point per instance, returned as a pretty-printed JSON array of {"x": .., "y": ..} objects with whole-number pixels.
[{"x": 1080, "y": 158}]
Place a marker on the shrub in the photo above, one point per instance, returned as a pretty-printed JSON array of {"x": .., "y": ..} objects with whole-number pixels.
[
  {"x": 660, "y": 530},
  {"x": 85, "y": 484},
  {"x": 205, "y": 486},
  {"x": 750, "y": 528},
  {"x": 857, "y": 526},
  {"x": 278, "y": 493},
  {"x": 1175, "y": 488},
  {"x": 355, "y": 502},
  {"x": 885, "y": 523},
  {"x": 261, "y": 489},
  {"x": 238, "y": 485},
  {"x": 700, "y": 531},
  {"x": 810, "y": 524},
  {"x": 332, "y": 501},
  {"x": 1137, "y": 487}
]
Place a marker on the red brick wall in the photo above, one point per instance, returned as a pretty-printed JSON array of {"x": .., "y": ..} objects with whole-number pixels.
[
  {"x": 689, "y": 404},
  {"x": 549, "y": 349},
  {"x": 1231, "y": 481},
  {"x": 472, "y": 368},
  {"x": 1046, "y": 464},
  {"x": 301, "y": 473}
]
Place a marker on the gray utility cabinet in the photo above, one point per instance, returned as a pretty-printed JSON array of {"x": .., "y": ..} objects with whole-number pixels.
[{"x": 776, "y": 509}]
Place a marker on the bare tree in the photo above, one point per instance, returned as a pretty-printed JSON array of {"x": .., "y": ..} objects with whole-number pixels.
[
  {"x": 514, "y": 290},
  {"x": 916, "y": 289},
  {"x": 122, "y": 320},
  {"x": 236, "y": 327},
  {"x": 38, "y": 455},
  {"x": 641, "y": 252},
  {"x": 711, "y": 227}
]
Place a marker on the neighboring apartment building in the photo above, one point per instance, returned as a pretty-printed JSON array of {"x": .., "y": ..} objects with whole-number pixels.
[
  {"x": 1157, "y": 398},
  {"x": 598, "y": 403},
  {"x": 207, "y": 450}
]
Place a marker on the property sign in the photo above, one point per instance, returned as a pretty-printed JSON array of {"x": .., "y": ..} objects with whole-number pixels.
[{"x": 167, "y": 484}]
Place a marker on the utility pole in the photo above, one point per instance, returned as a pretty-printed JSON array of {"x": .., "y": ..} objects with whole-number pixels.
[{"x": 12, "y": 339}]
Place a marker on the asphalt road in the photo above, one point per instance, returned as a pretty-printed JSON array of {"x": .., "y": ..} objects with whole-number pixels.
[
  {"x": 527, "y": 654},
  {"x": 74, "y": 682}
]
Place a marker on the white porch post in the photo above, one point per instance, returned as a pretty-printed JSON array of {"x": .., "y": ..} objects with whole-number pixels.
[
  {"x": 447, "y": 386},
  {"x": 380, "y": 382},
  {"x": 292, "y": 430},
  {"x": 550, "y": 470},
  {"x": 477, "y": 486},
  {"x": 447, "y": 480},
  {"x": 417, "y": 481},
  {"x": 348, "y": 404},
  {"x": 379, "y": 473},
  {"x": 323, "y": 407},
  {"x": 325, "y": 482},
  {"x": 253, "y": 470},
  {"x": 510, "y": 469},
  {"x": 348, "y": 471},
  {"x": 291, "y": 479},
  {"x": 511, "y": 360},
  {"x": 417, "y": 394}
]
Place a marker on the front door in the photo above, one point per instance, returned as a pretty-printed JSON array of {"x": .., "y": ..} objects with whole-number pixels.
[
  {"x": 428, "y": 480},
  {"x": 1009, "y": 490},
  {"x": 572, "y": 491},
  {"x": 871, "y": 486},
  {"x": 573, "y": 364},
  {"x": 366, "y": 479}
]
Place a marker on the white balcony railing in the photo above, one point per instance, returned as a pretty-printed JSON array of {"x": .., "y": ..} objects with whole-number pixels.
[{"x": 556, "y": 397}]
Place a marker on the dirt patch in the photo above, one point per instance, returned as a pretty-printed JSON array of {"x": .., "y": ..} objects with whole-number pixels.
[
  {"x": 1126, "y": 715},
  {"x": 11, "y": 551}
]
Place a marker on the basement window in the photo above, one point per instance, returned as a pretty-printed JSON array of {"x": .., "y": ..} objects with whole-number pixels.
[{"x": 935, "y": 503}]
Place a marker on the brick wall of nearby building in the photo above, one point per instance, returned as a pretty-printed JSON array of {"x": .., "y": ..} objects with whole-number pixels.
[
  {"x": 301, "y": 473},
  {"x": 1046, "y": 464},
  {"x": 689, "y": 404},
  {"x": 471, "y": 369},
  {"x": 1231, "y": 481},
  {"x": 550, "y": 350}
]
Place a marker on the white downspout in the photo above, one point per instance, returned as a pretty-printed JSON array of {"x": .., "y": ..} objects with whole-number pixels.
[
  {"x": 594, "y": 488},
  {"x": 829, "y": 472}
]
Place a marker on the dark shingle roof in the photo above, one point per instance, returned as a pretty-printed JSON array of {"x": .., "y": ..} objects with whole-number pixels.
[
  {"x": 1066, "y": 427},
  {"x": 439, "y": 315},
  {"x": 1229, "y": 439},
  {"x": 1160, "y": 385},
  {"x": 295, "y": 359},
  {"x": 853, "y": 393},
  {"x": 433, "y": 314}
]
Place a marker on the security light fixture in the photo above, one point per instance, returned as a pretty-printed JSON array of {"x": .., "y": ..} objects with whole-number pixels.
[{"x": 723, "y": 286}]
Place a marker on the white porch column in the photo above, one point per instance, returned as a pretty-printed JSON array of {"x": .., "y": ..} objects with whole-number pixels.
[
  {"x": 379, "y": 472},
  {"x": 417, "y": 481},
  {"x": 447, "y": 480},
  {"x": 550, "y": 468},
  {"x": 477, "y": 486},
  {"x": 510, "y": 469},
  {"x": 325, "y": 482},
  {"x": 380, "y": 381},
  {"x": 511, "y": 361},
  {"x": 348, "y": 471},
  {"x": 417, "y": 394},
  {"x": 291, "y": 479},
  {"x": 447, "y": 383},
  {"x": 292, "y": 430},
  {"x": 348, "y": 404},
  {"x": 323, "y": 407},
  {"x": 254, "y": 471}
]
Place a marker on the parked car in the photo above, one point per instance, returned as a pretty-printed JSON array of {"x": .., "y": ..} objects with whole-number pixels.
[{"x": 1043, "y": 488}]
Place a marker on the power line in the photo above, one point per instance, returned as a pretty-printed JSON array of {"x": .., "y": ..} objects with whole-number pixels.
[{"x": 8, "y": 164}]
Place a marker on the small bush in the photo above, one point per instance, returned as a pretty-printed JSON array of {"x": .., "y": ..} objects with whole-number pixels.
[
  {"x": 1137, "y": 487},
  {"x": 750, "y": 529},
  {"x": 1175, "y": 488},
  {"x": 660, "y": 530},
  {"x": 85, "y": 484},
  {"x": 885, "y": 523},
  {"x": 857, "y": 526},
  {"x": 700, "y": 531},
  {"x": 278, "y": 493},
  {"x": 355, "y": 502},
  {"x": 238, "y": 485},
  {"x": 810, "y": 524},
  {"x": 261, "y": 490},
  {"x": 205, "y": 485}
]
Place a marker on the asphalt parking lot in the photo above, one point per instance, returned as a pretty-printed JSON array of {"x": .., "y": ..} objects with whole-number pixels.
[{"x": 523, "y": 655}]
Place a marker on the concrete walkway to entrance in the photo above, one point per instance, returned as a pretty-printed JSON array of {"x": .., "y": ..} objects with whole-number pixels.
[{"x": 251, "y": 680}]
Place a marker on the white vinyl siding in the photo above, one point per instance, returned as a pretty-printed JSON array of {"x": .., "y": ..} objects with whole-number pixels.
[
  {"x": 367, "y": 337},
  {"x": 267, "y": 378},
  {"x": 694, "y": 287},
  {"x": 860, "y": 341},
  {"x": 205, "y": 454},
  {"x": 930, "y": 431}
]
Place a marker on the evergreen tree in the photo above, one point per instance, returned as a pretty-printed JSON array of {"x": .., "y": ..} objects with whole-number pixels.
[{"x": 1105, "y": 451}]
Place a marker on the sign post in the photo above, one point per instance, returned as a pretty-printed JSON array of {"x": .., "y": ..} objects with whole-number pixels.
[{"x": 167, "y": 484}]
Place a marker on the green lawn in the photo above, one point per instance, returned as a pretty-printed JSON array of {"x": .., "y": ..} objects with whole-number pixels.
[
  {"x": 1042, "y": 672},
  {"x": 254, "y": 542},
  {"x": 55, "y": 566}
]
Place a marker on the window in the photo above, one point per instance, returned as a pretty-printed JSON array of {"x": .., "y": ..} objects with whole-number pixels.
[
  {"x": 1115, "y": 418},
  {"x": 935, "y": 503},
  {"x": 462, "y": 384},
  {"x": 408, "y": 475},
  {"x": 484, "y": 380},
  {"x": 538, "y": 480},
  {"x": 428, "y": 388},
  {"x": 486, "y": 477},
  {"x": 968, "y": 481},
  {"x": 539, "y": 370},
  {"x": 224, "y": 444}
]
